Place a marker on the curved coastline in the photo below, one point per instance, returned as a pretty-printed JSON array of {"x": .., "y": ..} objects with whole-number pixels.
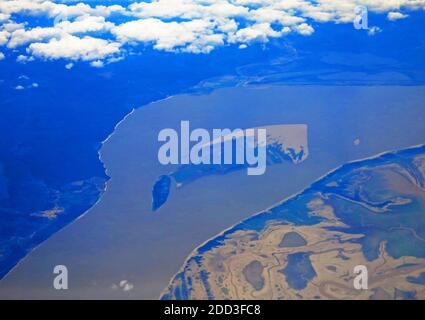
[
  {"x": 129, "y": 164},
  {"x": 108, "y": 179},
  {"x": 196, "y": 251}
]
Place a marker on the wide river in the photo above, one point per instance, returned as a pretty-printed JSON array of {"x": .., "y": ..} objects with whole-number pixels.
[{"x": 120, "y": 249}]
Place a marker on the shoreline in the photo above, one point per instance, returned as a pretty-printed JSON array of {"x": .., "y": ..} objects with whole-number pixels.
[
  {"x": 281, "y": 202},
  {"x": 107, "y": 181},
  {"x": 126, "y": 161},
  {"x": 108, "y": 177}
]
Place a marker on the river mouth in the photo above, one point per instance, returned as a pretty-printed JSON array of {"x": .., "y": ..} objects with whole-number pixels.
[{"x": 122, "y": 239}]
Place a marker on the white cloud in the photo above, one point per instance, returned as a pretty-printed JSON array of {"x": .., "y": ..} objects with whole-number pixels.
[
  {"x": 4, "y": 36},
  {"x": 187, "y": 9},
  {"x": 23, "y": 59},
  {"x": 2, "y": 56},
  {"x": 166, "y": 9},
  {"x": 172, "y": 25},
  {"x": 74, "y": 48},
  {"x": 374, "y": 30},
  {"x": 21, "y": 36},
  {"x": 69, "y": 66},
  {"x": 274, "y": 15},
  {"x": 392, "y": 16},
  {"x": 97, "y": 64},
  {"x": 4, "y": 17},
  {"x": 257, "y": 32},
  {"x": 85, "y": 24},
  {"x": 52, "y": 9},
  {"x": 12, "y": 26},
  {"x": 19, "y": 87},
  {"x": 166, "y": 35},
  {"x": 304, "y": 29}
]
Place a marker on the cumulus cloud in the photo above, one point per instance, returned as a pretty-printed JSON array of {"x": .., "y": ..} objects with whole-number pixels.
[
  {"x": 2, "y": 56},
  {"x": 257, "y": 32},
  {"x": 10, "y": 26},
  {"x": 83, "y": 31},
  {"x": 392, "y": 16},
  {"x": 4, "y": 17},
  {"x": 97, "y": 64},
  {"x": 84, "y": 24},
  {"x": 4, "y": 36},
  {"x": 53, "y": 9},
  {"x": 21, "y": 36},
  {"x": 187, "y": 9},
  {"x": 304, "y": 29},
  {"x": 74, "y": 48},
  {"x": 23, "y": 58},
  {"x": 69, "y": 66},
  {"x": 167, "y": 35},
  {"x": 374, "y": 30}
]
